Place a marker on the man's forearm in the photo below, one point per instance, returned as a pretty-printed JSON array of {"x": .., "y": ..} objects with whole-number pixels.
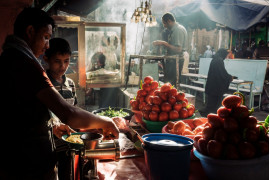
[{"x": 177, "y": 49}]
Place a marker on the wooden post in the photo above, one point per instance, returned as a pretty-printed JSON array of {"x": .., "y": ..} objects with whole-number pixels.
[
  {"x": 123, "y": 53},
  {"x": 231, "y": 41},
  {"x": 81, "y": 54}
]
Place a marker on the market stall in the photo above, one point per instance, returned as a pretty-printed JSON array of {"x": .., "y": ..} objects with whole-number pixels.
[{"x": 211, "y": 148}]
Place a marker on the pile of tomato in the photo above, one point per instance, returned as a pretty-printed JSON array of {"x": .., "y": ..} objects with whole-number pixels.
[
  {"x": 186, "y": 127},
  {"x": 233, "y": 133},
  {"x": 161, "y": 103}
]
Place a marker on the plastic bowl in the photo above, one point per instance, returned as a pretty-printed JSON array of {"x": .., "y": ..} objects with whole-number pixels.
[
  {"x": 156, "y": 126},
  {"x": 250, "y": 169}
]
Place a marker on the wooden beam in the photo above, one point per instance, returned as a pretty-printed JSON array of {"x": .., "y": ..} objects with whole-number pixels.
[
  {"x": 81, "y": 54},
  {"x": 123, "y": 53}
]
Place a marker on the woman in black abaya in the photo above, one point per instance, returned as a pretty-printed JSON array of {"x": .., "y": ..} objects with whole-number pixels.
[{"x": 218, "y": 81}]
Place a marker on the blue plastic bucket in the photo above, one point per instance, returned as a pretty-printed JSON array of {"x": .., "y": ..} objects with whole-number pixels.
[{"x": 167, "y": 156}]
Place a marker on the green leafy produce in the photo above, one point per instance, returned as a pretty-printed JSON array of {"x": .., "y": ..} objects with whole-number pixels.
[{"x": 113, "y": 113}]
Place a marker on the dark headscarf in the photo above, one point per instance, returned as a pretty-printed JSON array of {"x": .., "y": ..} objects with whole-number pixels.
[{"x": 221, "y": 54}]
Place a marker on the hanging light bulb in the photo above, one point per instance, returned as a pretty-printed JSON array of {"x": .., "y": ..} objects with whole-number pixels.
[
  {"x": 136, "y": 12},
  {"x": 143, "y": 14}
]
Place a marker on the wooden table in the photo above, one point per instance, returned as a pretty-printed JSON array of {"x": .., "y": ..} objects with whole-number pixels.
[
  {"x": 136, "y": 169},
  {"x": 235, "y": 82},
  {"x": 177, "y": 58}
]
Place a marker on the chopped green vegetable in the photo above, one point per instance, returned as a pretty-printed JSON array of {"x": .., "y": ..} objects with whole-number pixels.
[{"x": 113, "y": 113}]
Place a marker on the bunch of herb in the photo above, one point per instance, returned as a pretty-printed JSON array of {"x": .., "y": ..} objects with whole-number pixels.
[{"x": 113, "y": 113}]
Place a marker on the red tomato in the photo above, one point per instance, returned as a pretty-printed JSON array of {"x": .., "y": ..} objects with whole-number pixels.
[
  {"x": 261, "y": 130},
  {"x": 263, "y": 147},
  {"x": 170, "y": 124},
  {"x": 214, "y": 148},
  {"x": 146, "y": 115},
  {"x": 135, "y": 105},
  {"x": 197, "y": 122},
  {"x": 151, "y": 92},
  {"x": 202, "y": 143},
  {"x": 149, "y": 99},
  {"x": 208, "y": 133},
  {"x": 187, "y": 132},
  {"x": 246, "y": 150},
  {"x": 173, "y": 92},
  {"x": 141, "y": 92},
  {"x": 163, "y": 96},
  {"x": 196, "y": 139},
  {"x": 184, "y": 104},
  {"x": 131, "y": 101},
  {"x": 215, "y": 120},
  {"x": 231, "y": 101},
  {"x": 251, "y": 135},
  {"x": 240, "y": 112},
  {"x": 186, "y": 100},
  {"x": 157, "y": 100},
  {"x": 166, "y": 107},
  {"x": 142, "y": 105},
  {"x": 192, "y": 106},
  {"x": 177, "y": 106},
  {"x": 173, "y": 115},
  {"x": 190, "y": 110},
  {"x": 183, "y": 113},
  {"x": 223, "y": 112},
  {"x": 154, "y": 85},
  {"x": 231, "y": 152},
  {"x": 179, "y": 127},
  {"x": 249, "y": 122},
  {"x": 198, "y": 129},
  {"x": 180, "y": 96},
  {"x": 165, "y": 87},
  {"x": 141, "y": 99},
  {"x": 234, "y": 137},
  {"x": 147, "y": 107},
  {"x": 220, "y": 135},
  {"x": 153, "y": 116},
  {"x": 155, "y": 108},
  {"x": 148, "y": 79},
  {"x": 172, "y": 100},
  {"x": 230, "y": 124},
  {"x": 156, "y": 92},
  {"x": 163, "y": 116},
  {"x": 146, "y": 87}
]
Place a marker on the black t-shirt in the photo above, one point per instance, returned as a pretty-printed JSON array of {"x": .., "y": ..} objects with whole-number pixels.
[{"x": 26, "y": 135}]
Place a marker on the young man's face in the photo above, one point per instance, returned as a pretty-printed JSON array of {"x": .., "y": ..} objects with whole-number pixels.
[
  {"x": 167, "y": 24},
  {"x": 58, "y": 64},
  {"x": 39, "y": 40}
]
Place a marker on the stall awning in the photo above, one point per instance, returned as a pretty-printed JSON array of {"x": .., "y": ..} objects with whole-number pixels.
[{"x": 234, "y": 14}]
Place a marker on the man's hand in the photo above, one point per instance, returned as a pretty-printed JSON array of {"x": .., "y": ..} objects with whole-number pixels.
[
  {"x": 160, "y": 43},
  {"x": 62, "y": 129},
  {"x": 110, "y": 130}
]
